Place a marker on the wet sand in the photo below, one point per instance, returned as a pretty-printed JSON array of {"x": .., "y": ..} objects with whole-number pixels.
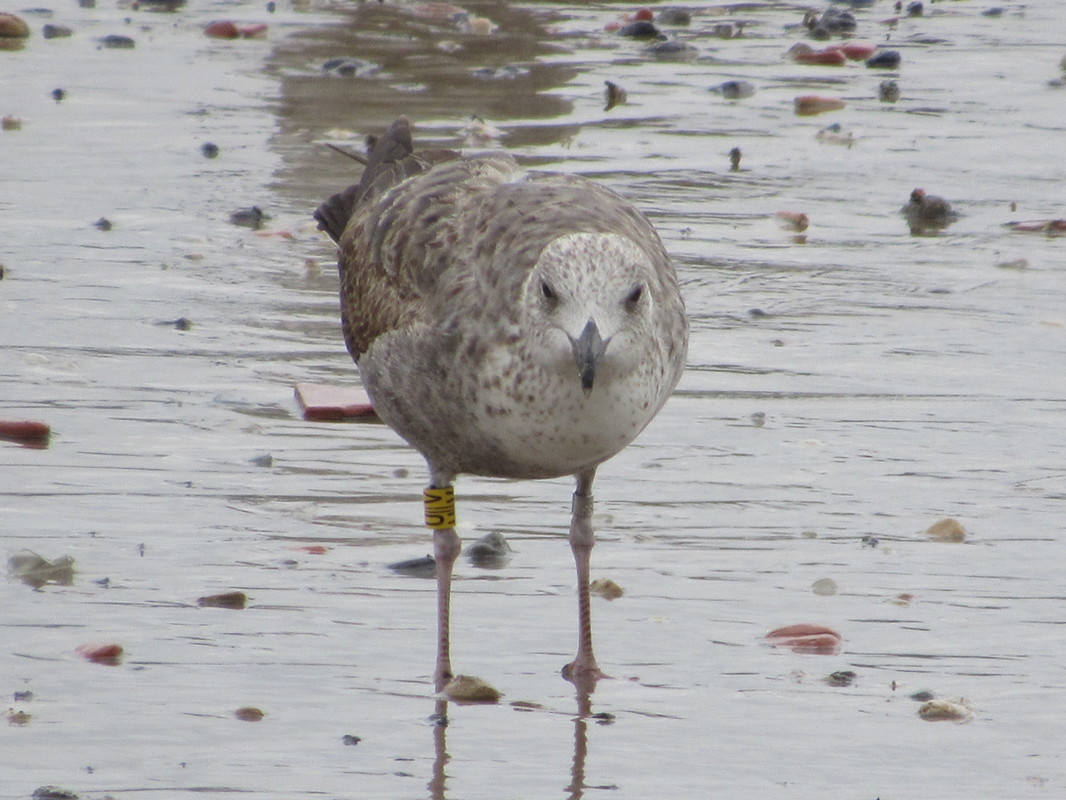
[{"x": 848, "y": 386}]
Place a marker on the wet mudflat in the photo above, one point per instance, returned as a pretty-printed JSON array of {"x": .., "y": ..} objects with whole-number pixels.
[{"x": 849, "y": 385}]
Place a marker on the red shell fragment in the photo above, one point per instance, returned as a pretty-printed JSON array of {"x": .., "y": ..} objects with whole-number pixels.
[
  {"x": 25, "y": 431},
  {"x": 807, "y": 638},
  {"x": 106, "y": 653},
  {"x": 856, "y": 51},
  {"x": 828, "y": 57},
  {"x": 810, "y": 104},
  {"x": 321, "y": 402},
  {"x": 223, "y": 29}
]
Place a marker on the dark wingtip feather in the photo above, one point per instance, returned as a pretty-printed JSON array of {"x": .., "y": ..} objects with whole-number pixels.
[{"x": 391, "y": 149}]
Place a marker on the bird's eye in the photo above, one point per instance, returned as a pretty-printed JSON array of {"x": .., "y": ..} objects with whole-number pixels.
[
  {"x": 547, "y": 292},
  {"x": 634, "y": 297}
]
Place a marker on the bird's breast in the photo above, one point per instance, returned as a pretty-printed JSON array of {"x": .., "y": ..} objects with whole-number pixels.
[{"x": 542, "y": 421}]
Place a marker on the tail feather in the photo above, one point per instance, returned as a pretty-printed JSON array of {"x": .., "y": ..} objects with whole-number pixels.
[{"x": 392, "y": 160}]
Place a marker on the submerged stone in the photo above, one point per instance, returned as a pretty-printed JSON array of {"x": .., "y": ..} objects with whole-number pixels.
[{"x": 469, "y": 689}]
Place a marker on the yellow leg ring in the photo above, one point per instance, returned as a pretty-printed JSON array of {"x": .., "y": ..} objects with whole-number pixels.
[{"x": 440, "y": 507}]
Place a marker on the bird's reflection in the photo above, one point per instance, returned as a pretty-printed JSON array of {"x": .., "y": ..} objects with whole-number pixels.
[{"x": 438, "y": 788}]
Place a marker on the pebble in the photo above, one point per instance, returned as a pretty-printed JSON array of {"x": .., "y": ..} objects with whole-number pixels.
[
  {"x": 349, "y": 740},
  {"x": 13, "y": 27},
  {"x": 209, "y": 149},
  {"x": 888, "y": 91},
  {"x": 954, "y": 709},
  {"x": 50, "y": 31},
  {"x": 672, "y": 48},
  {"x": 885, "y": 59},
  {"x": 115, "y": 41},
  {"x": 103, "y": 224},
  {"x": 844, "y": 677},
  {"x": 468, "y": 689},
  {"x": 832, "y": 21},
  {"x": 824, "y": 587},
  {"x": 249, "y": 714},
  {"x": 53, "y": 793},
  {"x": 424, "y": 567},
  {"x": 181, "y": 323},
  {"x": 234, "y": 600},
  {"x": 249, "y": 217},
  {"x": 947, "y": 530},
  {"x": 640, "y": 29},
  {"x": 735, "y": 90},
  {"x": 675, "y": 16},
  {"x": 491, "y": 551},
  {"x": 605, "y": 588}
]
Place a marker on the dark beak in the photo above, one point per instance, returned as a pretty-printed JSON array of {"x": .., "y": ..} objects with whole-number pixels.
[{"x": 588, "y": 349}]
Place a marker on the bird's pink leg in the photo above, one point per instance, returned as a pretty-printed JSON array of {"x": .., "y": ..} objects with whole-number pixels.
[
  {"x": 446, "y": 546},
  {"x": 583, "y": 669},
  {"x": 440, "y": 516}
]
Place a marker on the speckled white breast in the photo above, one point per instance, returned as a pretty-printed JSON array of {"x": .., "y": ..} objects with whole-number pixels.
[{"x": 545, "y": 424}]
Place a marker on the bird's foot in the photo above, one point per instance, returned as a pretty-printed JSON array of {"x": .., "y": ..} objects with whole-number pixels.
[{"x": 583, "y": 676}]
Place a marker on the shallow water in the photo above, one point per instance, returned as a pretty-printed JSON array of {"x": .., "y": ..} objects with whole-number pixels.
[{"x": 902, "y": 379}]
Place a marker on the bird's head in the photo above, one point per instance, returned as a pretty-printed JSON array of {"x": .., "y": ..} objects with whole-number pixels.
[{"x": 589, "y": 297}]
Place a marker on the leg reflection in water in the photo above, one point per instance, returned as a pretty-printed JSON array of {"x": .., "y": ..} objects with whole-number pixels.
[
  {"x": 438, "y": 789},
  {"x": 439, "y": 720}
]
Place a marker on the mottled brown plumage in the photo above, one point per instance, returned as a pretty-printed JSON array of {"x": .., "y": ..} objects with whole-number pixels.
[{"x": 505, "y": 323}]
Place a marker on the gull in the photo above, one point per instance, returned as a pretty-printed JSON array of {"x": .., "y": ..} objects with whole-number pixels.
[{"x": 505, "y": 323}]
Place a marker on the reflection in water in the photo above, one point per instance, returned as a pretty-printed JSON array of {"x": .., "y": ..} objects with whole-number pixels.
[
  {"x": 575, "y": 790},
  {"x": 423, "y": 67},
  {"x": 440, "y": 751}
]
